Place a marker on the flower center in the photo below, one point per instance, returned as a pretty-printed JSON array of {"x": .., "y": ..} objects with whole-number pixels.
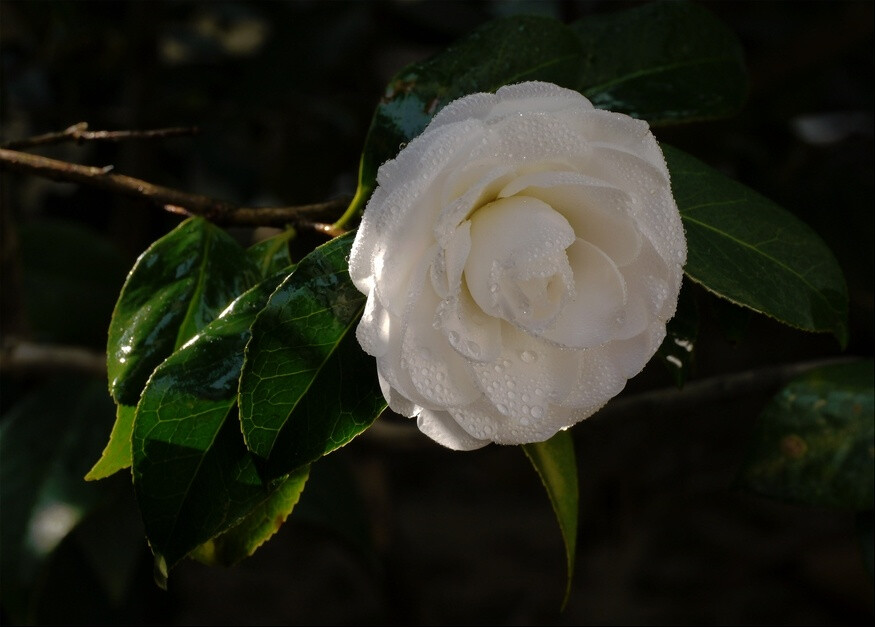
[{"x": 518, "y": 269}]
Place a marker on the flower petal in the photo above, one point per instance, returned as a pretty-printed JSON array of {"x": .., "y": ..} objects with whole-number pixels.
[
  {"x": 441, "y": 427},
  {"x": 595, "y": 312},
  {"x": 515, "y": 239},
  {"x": 596, "y": 211}
]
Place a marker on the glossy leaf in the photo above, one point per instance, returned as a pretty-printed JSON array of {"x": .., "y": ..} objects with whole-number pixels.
[
  {"x": 678, "y": 348},
  {"x": 750, "y": 251},
  {"x": 244, "y": 538},
  {"x": 193, "y": 476},
  {"x": 307, "y": 388},
  {"x": 555, "y": 462},
  {"x": 117, "y": 453},
  {"x": 501, "y": 52},
  {"x": 176, "y": 287},
  {"x": 272, "y": 255},
  {"x": 664, "y": 62},
  {"x": 814, "y": 442},
  {"x": 46, "y": 440}
]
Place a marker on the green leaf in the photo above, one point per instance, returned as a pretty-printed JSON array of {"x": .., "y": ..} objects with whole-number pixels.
[
  {"x": 272, "y": 255},
  {"x": 193, "y": 476},
  {"x": 750, "y": 251},
  {"x": 177, "y": 286},
  {"x": 555, "y": 463},
  {"x": 46, "y": 440},
  {"x": 814, "y": 442},
  {"x": 117, "y": 453},
  {"x": 307, "y": 388},
  {"x": 678, "y": 348},
  {"x": 244, "y": 538},
  {"x": 664, "y": 62},
  {"x": 501, "y": 52}
]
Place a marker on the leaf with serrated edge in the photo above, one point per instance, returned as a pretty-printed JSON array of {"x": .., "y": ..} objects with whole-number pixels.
[
  {"x": 307, "y": 388},
  {"x": 813, "y": 443},
  {"x": 117, "y": 453},
  {"x": 272, "y": 255},
  {"x": 748, "y": 250},
  {"x": 193, "y": 476},
  {"x": 555, "y": 462},
  {"x": 180, "y": 283},
  {"x": 244, "y": 538}
]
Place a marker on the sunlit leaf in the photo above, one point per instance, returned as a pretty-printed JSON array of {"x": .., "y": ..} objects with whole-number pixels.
[
  {"x": 307, "y": 388},
  {"x": 555, "y": 462},
  {"x": 177, "y": 286},
  {"x": 193, "y": 476},
  {"x": 244, "y": 538},
  {"x": 272, "y": 255},
  {"x": 117, "y": 453}
]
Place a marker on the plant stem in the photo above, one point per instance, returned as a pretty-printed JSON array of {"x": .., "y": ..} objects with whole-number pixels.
[
  {"x": 80, "y": 133},
  {"x": 217, "y": 211}
]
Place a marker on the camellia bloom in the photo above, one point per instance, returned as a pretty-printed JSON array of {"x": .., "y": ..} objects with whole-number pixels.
[{"x": 521, "y": 258}]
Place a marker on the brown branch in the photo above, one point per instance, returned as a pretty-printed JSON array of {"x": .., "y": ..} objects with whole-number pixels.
[
  {"x": 80, "y": 133},
  {"x": 21, "y": 357},
  {"x": 217, "y": 211}
]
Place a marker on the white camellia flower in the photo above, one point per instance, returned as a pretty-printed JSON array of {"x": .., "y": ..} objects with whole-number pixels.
[{"x": 521, "y": 258}]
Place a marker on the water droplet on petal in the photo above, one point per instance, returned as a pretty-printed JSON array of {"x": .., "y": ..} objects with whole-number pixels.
[{"x": 528, "y": 356}]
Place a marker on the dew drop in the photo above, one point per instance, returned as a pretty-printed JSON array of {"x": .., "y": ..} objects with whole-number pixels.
[
  {"x": 537, "y": 411},
  {"x": 502, "y": 408},
  {"x": 454, "y": 339},
  {"x": 528, "y": 356}
]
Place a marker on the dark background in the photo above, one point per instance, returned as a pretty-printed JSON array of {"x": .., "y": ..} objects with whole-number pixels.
[{"x": 283, "y": 93}]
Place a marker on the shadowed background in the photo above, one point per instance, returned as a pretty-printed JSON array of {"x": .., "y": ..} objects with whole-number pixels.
[{"x": 395, "y": 529}]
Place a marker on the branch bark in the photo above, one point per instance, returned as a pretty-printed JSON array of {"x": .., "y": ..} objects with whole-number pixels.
[
  {"x": 80, "y": 133},
  {"x": 217, "y": 211},
  {"x": 20, "y": 357}
]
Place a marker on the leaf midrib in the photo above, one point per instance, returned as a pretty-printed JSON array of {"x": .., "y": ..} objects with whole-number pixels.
[
  {"x": 761, "y": 253},
  {"x": 657, "y": 69}
]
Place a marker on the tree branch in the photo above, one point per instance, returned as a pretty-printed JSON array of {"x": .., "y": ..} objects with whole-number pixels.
[
  {"x": 80, "y": 133},
  {"x": 217, "y": 211},
  {"x": 26, "y": 357}
]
